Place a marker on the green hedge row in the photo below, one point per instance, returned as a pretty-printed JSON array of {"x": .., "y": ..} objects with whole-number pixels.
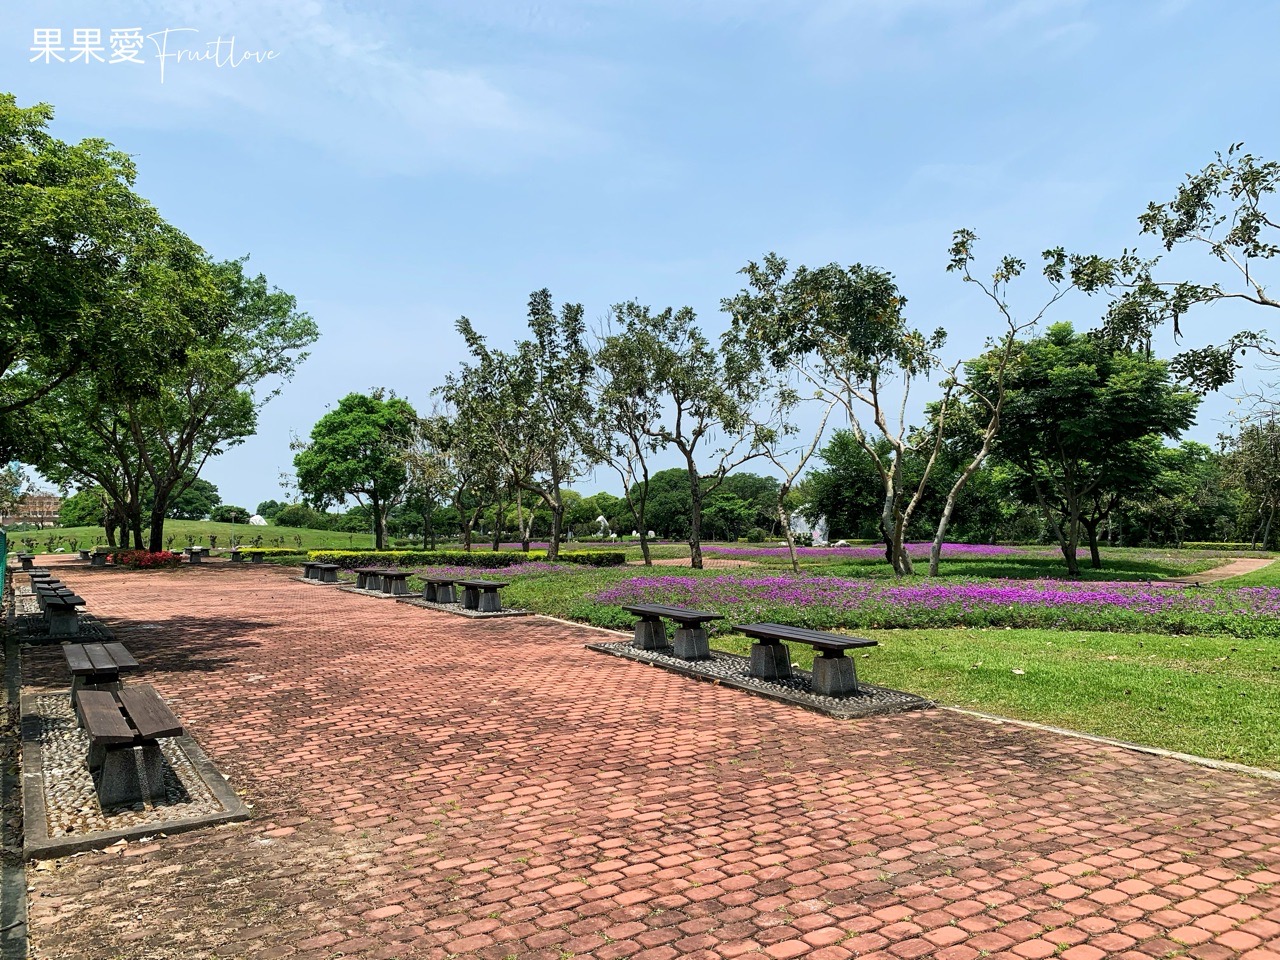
[
  {"x": 1206, "y": 545},
  {"x": 418, "y": 558},
  {"x": 487, "y": 559}
]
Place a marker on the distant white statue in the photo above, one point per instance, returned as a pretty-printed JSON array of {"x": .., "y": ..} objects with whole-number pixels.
[
  {"x": 257, "y": 521},
  {"x": 604, "y": 526}
]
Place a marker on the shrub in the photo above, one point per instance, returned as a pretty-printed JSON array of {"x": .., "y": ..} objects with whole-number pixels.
[
  {"x": 1206, "y": 545},
  {"x": 756, "y": 535},
  {"x": 145, "y": 559},
  {"x": 593, "y": 558},
  {"x": 296, "y": 515},
  {"x": 487, "y": 559},
  {"x": 229, "y": 513}
]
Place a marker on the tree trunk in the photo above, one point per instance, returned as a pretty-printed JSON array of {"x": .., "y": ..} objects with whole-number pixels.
[
  {"x": 784, "y": 521},
  {"x": 557, "y": 526},
  {"x": 379, "y": 523},
  {"x": 695, "y": 521},
  {"x": 1091, "y": 528},
  {"x": 158, "y": 508}
]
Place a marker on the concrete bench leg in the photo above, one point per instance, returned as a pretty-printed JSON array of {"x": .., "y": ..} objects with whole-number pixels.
[
  {"x": 446, "y": 593},
  {"x": 195, "y": 556},
  {"x": 470, "y": 598},
  {"x": 397, "y": 588},
  {"x": 118, "y": 781},
  {"x": 489, "y": 602},
  {"x": 429, "y": 592},
  {"x": 64, "y": 623},
  {"x": 153, "y": 765},
  {"x": 256, "y": 558},
  {"x": 770, "y": 661},
  {"x": 834, "y": 676},
  {"x": 328, "y": 576},
  {"x": 236, "y": 558},
  {"x": 98, "y": 560},
  {"x": 692, "y": 644},
  {"x": 650, "y": 635}
]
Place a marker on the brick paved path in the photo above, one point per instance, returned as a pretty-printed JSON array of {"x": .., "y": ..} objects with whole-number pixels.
[{"x": 429, "y": 786}]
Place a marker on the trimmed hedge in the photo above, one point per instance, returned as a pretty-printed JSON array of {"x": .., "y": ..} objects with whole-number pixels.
[
  {"x": 270, "y": 551},
  {"x": 418, "y": 558},
  {"x": 486, "y": 559},
  {"x": 1206, "y": 545}
]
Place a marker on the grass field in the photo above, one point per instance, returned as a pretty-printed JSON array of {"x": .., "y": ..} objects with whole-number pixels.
[{"x": 88, "y": 537}]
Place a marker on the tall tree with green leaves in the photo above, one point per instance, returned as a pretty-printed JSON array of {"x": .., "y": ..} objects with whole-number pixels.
[
  {"x": 89, "y": 272},
  {"x": 705, "y": 396},
  {"x": 359, "y": 449},
  {"x": 533, "y": 401},
  {"x": 1253, "y": 465},
  {"x": 1084, "y": 419}
]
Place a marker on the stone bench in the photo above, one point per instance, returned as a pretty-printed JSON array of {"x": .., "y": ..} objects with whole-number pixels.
[
  {"x": 196, "y": 554},
  {"x": 368, "y": 578},
  {"x": 98, "y": 559},
  {"x": 439, "y": 589},
  {"x": 27, "y": 560},
  {"x": 834, "y": 674},
  {"x": 691, "y": 641},
  {"x": 309, "y": 569},
  {"x": 327, "y": 572},
  {"x": 86, "y": 554},
  {"x": 117, "y": 723},
  {"x": 482, "y": 595},
  {"x": 395, "y": 583}
]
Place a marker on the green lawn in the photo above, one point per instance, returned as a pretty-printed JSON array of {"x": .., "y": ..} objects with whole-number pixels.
[
  {"x": 1209, "y": 696},
  {"x": 88, "y": 537}
]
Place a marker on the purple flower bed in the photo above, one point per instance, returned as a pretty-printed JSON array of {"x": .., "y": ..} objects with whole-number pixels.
[{"x": 825, "y": 602}]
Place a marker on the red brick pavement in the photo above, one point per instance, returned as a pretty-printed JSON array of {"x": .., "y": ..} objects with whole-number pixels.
[{"x": 430, "y": 786}]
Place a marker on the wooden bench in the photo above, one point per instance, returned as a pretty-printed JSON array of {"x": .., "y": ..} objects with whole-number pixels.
[
  {"x": 116, "y": 723},
  {"x": 439, "y": 589},
  {"x": 97, "y": 665},
  {"x": 85, "y": 554},
  {"x": 482, "y": 595},
  {"x": 327, "y": 572},
  {"x": 368, "y": 578},
  {"x": 196, "y": 554},
  {"x": 98, "y": 559},
  {"x": 237, "y": 555},
  {"x": 834, "y": 674},
  {"x": 691, "y": 641},
  {"x": 256, "y": 556},
  {"x": 26, "y": 559},
  {"x": 309, "y": 569}
]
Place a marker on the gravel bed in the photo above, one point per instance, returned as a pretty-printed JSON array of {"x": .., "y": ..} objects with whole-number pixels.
[
  {"x": 70, "y": 798},
  {"x": 732, "y": 670},
  {"x": 461, "y": 611}
]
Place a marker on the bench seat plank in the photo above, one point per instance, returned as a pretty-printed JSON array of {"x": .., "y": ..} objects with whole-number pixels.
[
  {"x": 483, "y": 584},
  {"x": 679, "y": 614},
  {"x": 122, "y": 657},
  {"x": 102, "y": 718},
  {"x": 148, "y": 712},
  {"x": 773, "y": 632},
  {"x": 100, "y": 658},
  {"x": 77, "y": 660}
]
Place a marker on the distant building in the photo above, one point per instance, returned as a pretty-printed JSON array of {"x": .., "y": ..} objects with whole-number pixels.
[{"x": 37, "y": 507}]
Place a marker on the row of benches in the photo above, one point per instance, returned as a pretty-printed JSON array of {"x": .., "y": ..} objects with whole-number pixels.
[
  {"x": 57, "y": 601},
  {"x": 834, "y": 673}
]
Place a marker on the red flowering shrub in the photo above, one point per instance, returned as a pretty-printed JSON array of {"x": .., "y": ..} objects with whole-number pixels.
[{"x": 145, "y": 559}]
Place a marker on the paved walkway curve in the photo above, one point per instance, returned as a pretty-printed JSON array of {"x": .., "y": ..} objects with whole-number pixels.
[
  {"x": 430, "y": 786},
  {"x": 1234, "y": 568}
]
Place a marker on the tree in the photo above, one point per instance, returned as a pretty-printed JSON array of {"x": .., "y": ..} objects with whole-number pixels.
[
  {"x": 703, "y": 394},
  {"x": 1188, "y": 499},
  {"x": 88, "y": 270},
  {"x": 1221, "y": 209},
  {"x": 626, "y": 421},
  {"x": 268, "y": 509},
  {"x": 1083, "y": 423},
  {"x": 1253, "y": 464},
  {"x": 196, "y": 502},
  {"x": 227, "y": 513},
  {"x": 85, "y": 508},
  {"x": 359, "y": 450},
  {"x": 843, "y": 333},
  {"x": 251, "y": 333},
  {"x": 533, "y": 403},
  {"x": 296, "y": 515}
]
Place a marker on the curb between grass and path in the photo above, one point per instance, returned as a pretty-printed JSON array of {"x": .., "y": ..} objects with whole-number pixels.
[{"x": 1226, "y": 766}]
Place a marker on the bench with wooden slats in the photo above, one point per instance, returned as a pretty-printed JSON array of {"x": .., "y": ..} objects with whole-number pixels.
[
  {"x": 834, "y": 674},
  {"x": 117, "y": 723},
  {"x": 482, "y": 595},
  {"x": 97, "y": 664}
]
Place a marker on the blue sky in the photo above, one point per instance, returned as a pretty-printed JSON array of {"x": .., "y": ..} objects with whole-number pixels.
[{"x": 396, "y": 165}]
